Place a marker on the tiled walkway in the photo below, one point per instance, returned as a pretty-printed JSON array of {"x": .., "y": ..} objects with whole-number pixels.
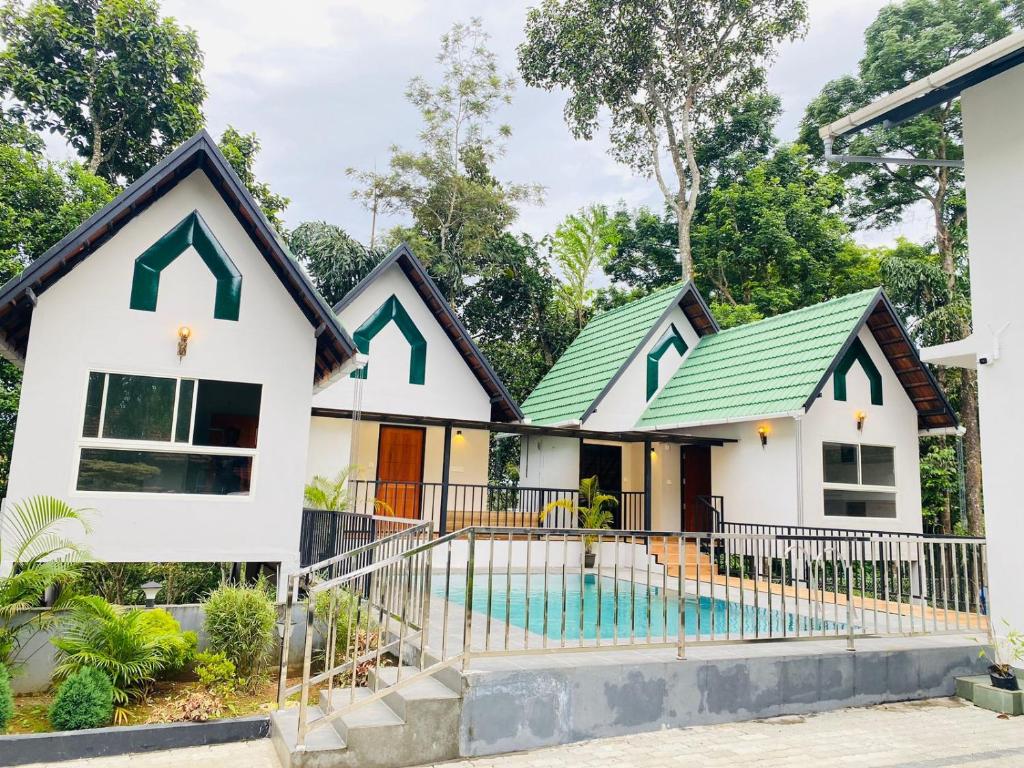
[{"x": 940, "y": 733}]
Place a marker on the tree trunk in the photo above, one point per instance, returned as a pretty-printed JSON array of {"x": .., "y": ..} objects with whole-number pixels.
[
  {"x": 946, "y": 517},
  {"x": 972, "y": 451},
  {"x": 97, "y": 149},
  {"x": 685, "y": 254}
]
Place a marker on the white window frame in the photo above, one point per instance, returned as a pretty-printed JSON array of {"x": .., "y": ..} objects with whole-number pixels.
[
  {"x": 159, "y": 446},
  {"x": 859, "y": 486}
]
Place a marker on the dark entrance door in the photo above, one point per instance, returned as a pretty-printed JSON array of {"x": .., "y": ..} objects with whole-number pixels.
[
  {"x": 696, "y": 478},
  {"x": 604, "y": 461},
  {"x": 400, "y": 469}
]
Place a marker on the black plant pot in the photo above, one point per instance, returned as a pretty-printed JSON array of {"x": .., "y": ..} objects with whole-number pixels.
[
  {"x": 588, "y": 559},
  {"x": 1001, "y": 681}
]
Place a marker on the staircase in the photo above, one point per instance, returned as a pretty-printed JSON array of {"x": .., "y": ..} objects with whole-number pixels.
[
  {"x": 666, "y": 552},
  {"x": 413, "y": 723}
]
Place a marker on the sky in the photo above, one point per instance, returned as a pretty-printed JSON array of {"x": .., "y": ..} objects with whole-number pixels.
[{"x": 322, "y": 83}]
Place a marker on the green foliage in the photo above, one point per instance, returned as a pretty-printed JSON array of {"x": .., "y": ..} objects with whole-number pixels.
[
  {"x": 343, "y": 606},
  {"x": 241, "y": 150},
  {"x": 592, "y": 510},
  {"x": 240, "y": 624},
  {"x": 939, "y": 484},
  {"x": 582, "y": 242},
  {"x": 647, "y": 255},
  {"x": 179, "y": 647},
  {"x": 6, "y": 698},
  {"x": 731, "y": 315},
  {"x": 121, "y": 84},
  {"x": 328, "y": 493},
  {"x": 216, "y": 672},
  {"x": 334, "y": 261},
  {"x": 120, "y": 583},
  {"x": 446, "y": 185},
  {"x": 667, "y": 73},
  {"x": 32, "y": 534},
  {"x": 119, "y": 643},
  {"x": 84, "y": 700}
]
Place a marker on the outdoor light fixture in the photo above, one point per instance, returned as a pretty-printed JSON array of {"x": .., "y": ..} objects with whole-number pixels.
[
  {"x": 184, "y": 332},
  {"x": 860, "y": 416},
  {"x": 150, "y": 588},
  {"x": 762, "y": 432}
]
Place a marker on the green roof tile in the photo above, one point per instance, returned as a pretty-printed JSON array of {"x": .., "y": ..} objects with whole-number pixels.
[
  {"x": 771, "y": 366},
  {"x": 596, "y": 355}
]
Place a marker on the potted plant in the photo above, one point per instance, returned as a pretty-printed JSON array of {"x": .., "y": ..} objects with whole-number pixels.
[
  {"x": 1005, "y": 651},
  {"x": 593, "y": 513}
]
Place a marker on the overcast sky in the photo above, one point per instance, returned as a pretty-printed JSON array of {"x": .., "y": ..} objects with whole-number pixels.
[{"x": 321, "y": 82}]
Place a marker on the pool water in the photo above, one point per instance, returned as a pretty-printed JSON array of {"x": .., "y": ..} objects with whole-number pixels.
[{"x": 632, "y": 617}]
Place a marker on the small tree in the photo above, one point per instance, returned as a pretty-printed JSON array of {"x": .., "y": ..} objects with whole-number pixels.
[
  {"x": 583, "y": 242},
  {"x": 667, "y": 71},
  {"x": 593, "y": 514}
]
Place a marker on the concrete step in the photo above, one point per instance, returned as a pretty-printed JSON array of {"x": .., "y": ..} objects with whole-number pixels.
[
  {"x": 371, "y": 721},
  {"x": 322, "y": 746}
]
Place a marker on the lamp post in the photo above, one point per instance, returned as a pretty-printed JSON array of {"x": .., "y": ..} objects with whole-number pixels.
[{"x": 151, "y": 588}]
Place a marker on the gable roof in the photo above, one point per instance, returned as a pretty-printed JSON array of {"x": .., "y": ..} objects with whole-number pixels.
[
  {"x": 581, "y": 377},
  {"x": 18, "y": 296},
  {"x": 503, "y": 406},
  {"x": 779, "y": 365}
]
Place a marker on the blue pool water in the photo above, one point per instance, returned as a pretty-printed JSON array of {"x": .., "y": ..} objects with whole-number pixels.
[{"x": 632, "y": 617}]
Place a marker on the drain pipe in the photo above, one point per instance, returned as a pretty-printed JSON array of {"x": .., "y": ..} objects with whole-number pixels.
[{"x": 932, "y": 163}]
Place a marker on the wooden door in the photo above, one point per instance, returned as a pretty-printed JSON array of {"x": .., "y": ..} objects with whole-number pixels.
[
  {"x": 605, "y": 463},
  {"x": 696, "y": 477},
  {"x": 400, "y": 469}
]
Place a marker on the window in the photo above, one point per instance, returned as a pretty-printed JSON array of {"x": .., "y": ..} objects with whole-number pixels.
[
  {"x": 858, "y": 479},
  {"x": 208, "y": 430}
]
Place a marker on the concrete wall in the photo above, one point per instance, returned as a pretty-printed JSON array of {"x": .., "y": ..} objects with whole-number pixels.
[
  {"x": 993, "y": 115},
  {"x": 549, "y": 462},
  {"x": 84, "y": 323},
  {"x": 449, "y": 390}
]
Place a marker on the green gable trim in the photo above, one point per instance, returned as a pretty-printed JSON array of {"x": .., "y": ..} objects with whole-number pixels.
[
  {"x": 392, "y": 310},
  {"x": 857, "y": 353},
  {"x": 190, "y": 231},
  {"x": 671, "y": 339}
]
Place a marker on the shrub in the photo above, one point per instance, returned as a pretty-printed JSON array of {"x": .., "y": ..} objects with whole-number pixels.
[
  {"x": 6, "y": 699},
  {"x": 179, "y": 647},
  {"x": 84, "y": 700},
  {"x": 117, "y": 642},
  {"x": 216, "y": 672},
  {"x": 240, "y": 624}
]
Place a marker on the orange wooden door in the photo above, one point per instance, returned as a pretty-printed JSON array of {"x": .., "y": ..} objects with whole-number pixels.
[{"x": 400, "y": 469}]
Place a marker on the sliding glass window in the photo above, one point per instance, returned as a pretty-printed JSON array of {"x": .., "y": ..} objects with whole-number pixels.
[{"x": 860, "y": 480}]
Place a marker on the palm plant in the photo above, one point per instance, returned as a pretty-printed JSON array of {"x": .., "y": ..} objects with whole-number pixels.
[
  {"x": 593, "y": 513},
  {"x": 35, "y": 555},
  {"x": 118, "y": 642},
  {"x": 332, "y": 494}
]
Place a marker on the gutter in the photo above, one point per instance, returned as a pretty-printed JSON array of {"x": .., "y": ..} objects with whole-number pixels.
[
  {"x": 830, "y": 157},
  {"x": 957, "y": 431},
  {"x": 354, "y": 363}
]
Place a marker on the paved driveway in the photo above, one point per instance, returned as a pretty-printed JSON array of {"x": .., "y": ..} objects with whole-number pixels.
[{"x": 939, "y": 733}]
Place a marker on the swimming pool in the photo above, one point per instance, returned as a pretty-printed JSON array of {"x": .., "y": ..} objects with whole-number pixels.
[{"x": 631, "y": 616}]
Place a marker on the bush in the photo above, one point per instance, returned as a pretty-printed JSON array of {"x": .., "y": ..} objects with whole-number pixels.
[
  {"x": 120, "y": 643},
  {"x": 179, "y": 647},
  {"x": 6, "y": 699},
  {"x": 216, "y": 672},
  {"x": 84, "y": 700},
  {"x": 240, "y": 624}
]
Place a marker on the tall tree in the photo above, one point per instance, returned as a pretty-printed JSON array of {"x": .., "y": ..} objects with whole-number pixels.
[
  {"x": 446, "y": 185},
  {"x": 667, "y": 71},
  {"x": 334, "y": 261},
  {"x": 119, "y": 82},
  {"x": 241, "y": 150},
  {"x": 907, "y": 41},
  {"x": 581, "y": 244}
]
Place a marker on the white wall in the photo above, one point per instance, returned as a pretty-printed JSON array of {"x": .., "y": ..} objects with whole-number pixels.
[
  {"x": 549, "y": 462},
  {"x": 625, "y": 402},
  {"x": 993, "y": 114},
  {"x": 84, "y": 323},
  {"x": 449, "y": 390},
  {"x": 893, "y": 424}
]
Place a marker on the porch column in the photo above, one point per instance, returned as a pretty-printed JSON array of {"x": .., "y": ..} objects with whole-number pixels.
[
  {"x": 647, "y": 485},
  {"x": 446, "y": 464}
]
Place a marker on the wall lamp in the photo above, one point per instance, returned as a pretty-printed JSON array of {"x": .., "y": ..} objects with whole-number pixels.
[
  {"x": 860, "y": 416},
  {"x": 184, "y": 333},
  {"x": 150, "y": 590},
  {"x": 762, "y": 432}
]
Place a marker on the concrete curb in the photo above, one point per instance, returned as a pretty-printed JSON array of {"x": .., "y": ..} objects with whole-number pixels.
[{"x": 27, "y": 748}]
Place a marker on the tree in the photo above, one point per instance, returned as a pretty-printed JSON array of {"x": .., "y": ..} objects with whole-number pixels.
[
  {"x": 666, "y": 71},
  {"x": 582, "y": 242},
  {"x": 334, "y": 261},
  {"x": 117, "y": 81},
  {"x": 456, "y": 204},
  {"x": 646, "y": 256},
  {"x": 908, "y": 41},
  {"x": 241, "y": 150},
  {"x": 775, "y": 240}
]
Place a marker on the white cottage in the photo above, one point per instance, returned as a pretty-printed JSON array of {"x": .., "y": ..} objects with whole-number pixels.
[{"x": 170, "y": 349}]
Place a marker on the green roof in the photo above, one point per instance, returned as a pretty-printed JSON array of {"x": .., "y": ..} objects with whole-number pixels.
[
  {"x": 596, "y": 355},
  {"x": 763, "y": 368}
]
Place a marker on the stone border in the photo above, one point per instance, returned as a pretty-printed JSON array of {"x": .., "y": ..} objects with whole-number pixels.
[{"x": 22, "y": 749}]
